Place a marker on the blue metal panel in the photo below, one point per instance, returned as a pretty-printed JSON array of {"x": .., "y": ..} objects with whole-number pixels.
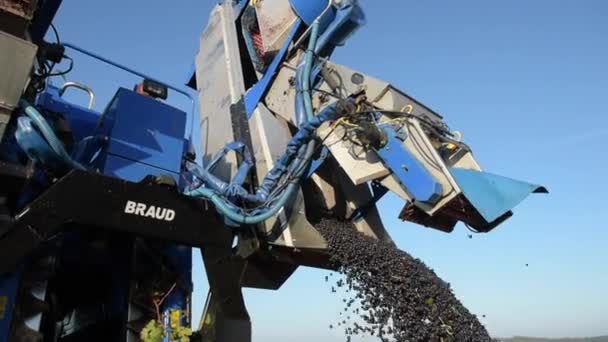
[
  {"x": 492, "y": 195},
  {"x": 145, "y": 130},
  {"x": 309, "y": 10},
  {"x": 132, "y": 171},
  {"x": 8, "y": 295},
  {"x": 257, "y": 92},
  {"x": 82, "y": 120},
  {"x": 348, "y": 19},
  {"x": 409, "y": 172},
  {"x": 378, "y": 191}
]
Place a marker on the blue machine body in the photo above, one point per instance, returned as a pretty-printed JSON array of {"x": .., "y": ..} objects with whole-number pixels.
[
  {"x": 137, "y": 136},
  {"x": 147, "y": 137},
  {"x": 142, "y": 137},
  {"x": 82, "y": 120},
  {"x": 408, "y": 170}
]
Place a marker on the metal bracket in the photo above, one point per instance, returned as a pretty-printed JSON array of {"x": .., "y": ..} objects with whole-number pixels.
[
  {"x": 378, "y": 191},
  {"x": 407, "y": 169},
  {"x": 257, "y": 92}
]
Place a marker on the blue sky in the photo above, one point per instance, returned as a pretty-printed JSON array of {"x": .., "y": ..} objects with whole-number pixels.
[{"x": 527, "y": 84}]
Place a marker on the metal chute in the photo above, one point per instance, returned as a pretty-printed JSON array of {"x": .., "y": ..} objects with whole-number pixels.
[{"x": 491, "y": 195}]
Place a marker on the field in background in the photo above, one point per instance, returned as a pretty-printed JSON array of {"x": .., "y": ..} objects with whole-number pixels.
[{"x": 529, "y": 339}]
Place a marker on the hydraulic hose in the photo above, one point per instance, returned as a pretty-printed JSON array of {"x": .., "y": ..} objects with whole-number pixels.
[
  {"x": 47, "y": 132},
  {"x": 308, "y": 64},
  {"x": 298, "y": 168},
  {"x": 236, "y": 217},
  {"x": 309, "y": 125}
]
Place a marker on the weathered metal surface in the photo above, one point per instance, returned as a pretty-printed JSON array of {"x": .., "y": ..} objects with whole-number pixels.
[
  {"x": 275, "y": 18},
  {"x": 220, "y": 85},
  {"x": 16, "y": 62},
  {"x": 360, "y": 166}
]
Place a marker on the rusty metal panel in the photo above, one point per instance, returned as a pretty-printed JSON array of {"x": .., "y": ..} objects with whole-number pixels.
[
  {"x": 275, "y": 19},
  {"x": 282, "y": 95}
]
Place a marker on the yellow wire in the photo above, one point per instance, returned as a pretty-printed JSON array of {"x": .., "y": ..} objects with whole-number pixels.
[
  {"x": 345, "y": 122},
  {"x": 396, "y": 120}
]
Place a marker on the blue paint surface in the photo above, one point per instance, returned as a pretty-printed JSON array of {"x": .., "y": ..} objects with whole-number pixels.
[
  {"x": 492, "y": 195},
  {"x": 145, "y": 131},
  {"x": 257, "y": 92},
  {"x": 82, "y": 120},
  {"x": 408, "y": 170},
  {"x": 309, "y": 10}
]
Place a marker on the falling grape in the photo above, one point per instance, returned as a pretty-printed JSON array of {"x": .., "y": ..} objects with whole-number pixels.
[{"x": 397, "y": 297}]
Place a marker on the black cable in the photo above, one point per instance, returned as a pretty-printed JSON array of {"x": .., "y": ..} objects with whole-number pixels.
[
  {"x": 290, "y": 178},
  {"x": 423, "y": 153},
  {"x": 56, "y": 34},
  {"x": 343, "y": 90},
  {"x": 439, "y": 132},
  {"x": 402, "y": 114},
  {"x": 58, "y": 40},
  {"x": 64, "y": 72}
]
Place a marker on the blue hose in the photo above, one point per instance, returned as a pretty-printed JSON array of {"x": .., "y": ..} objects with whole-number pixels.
[
  {"x": 300, "y": 149},
  {"x": 348, "y": 19},
  {"x": 296, "y": 147},
  {"x": 225, "y": 210},
  {"x": 48, "y": 133},
  {"x": 308, "y": 63}
]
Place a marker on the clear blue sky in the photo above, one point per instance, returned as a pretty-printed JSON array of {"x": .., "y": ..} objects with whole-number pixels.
[{"x": 527, "y": 83}]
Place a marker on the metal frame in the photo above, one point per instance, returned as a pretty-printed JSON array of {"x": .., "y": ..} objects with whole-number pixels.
[
  {"x": 94, "y": 201},
  {"x": 82, "y": 87},
  {"x": 142, "y": 75}
]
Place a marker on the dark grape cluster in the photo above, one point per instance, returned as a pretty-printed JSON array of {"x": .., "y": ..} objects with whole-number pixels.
[{"x": 393, "y": 296}]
